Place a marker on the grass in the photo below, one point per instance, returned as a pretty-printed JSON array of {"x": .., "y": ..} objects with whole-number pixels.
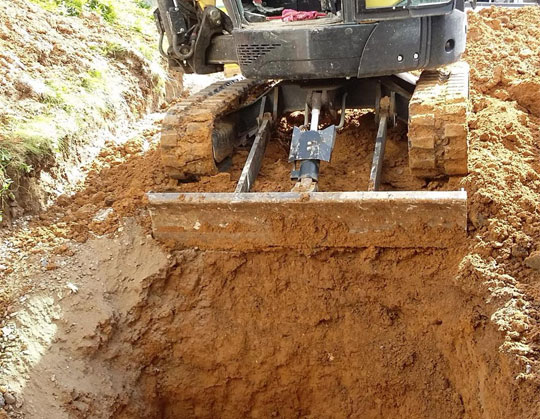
[
  {"x": 144, "y": 4},
  {"x": 114, "y": 49},
  {"x": 92, "y": 80},
  {"x": 72, "y": 102},
  {"x": 106, "y": 8},
  {"x": 132, "y": 14},
  {"x": 14, "y": 163}
]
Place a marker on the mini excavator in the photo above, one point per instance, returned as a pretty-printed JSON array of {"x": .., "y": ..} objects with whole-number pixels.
[{"x": 400, "y": 58}]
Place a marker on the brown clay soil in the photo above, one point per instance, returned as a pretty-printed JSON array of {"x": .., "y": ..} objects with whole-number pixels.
[{"x": 101, "y": 321}]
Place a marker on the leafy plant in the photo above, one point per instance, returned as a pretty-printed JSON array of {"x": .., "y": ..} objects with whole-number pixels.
[
  {"x": 71, "y": 7},
  {"x": 144, "y": 4},
  {"x": 105, "y": 9},
  {"x": 5, "y": 181},
  {"x": 5, "y": 193},
  {"x": 114, "y": 50},
  {"x": 75, "y": 7}
]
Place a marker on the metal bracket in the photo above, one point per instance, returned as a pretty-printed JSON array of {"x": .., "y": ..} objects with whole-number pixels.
[
  {"x": 378, "y": 154},
  {"x": 312, "y": 145}
]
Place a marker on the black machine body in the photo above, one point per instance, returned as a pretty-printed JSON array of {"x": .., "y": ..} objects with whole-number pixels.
[{"x": 355, "y": 38}]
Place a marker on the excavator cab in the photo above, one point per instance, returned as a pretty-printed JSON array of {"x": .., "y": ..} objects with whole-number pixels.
[
  {"x": 321, "y": 58},
  {"x": 348, "y": 38}
]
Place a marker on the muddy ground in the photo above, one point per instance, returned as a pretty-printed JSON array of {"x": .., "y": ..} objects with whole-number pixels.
[{"x": 99, "y": 320}]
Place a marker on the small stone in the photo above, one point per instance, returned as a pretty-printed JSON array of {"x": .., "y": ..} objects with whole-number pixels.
[
  {"x": 525, "y": 52},
  {"x": 2, "y": 401},
  {"x": 51, "y": 266},
  {"x": 6, "y": 331},
  {"x": 533, "y": 260},
  {"x": 72, "y": 287},
  {"x": 10, "y": 398},
  {"x": 109, "y": 200},
  {"x": 518, "y": 251},
  {"x": 477, "y": 219},
  {"x": 102, "y": 215}
]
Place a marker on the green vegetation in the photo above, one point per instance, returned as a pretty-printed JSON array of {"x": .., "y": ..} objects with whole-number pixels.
[
  {"x": 32, "y": 139},
  {"x": 144, "y": 4},
  {"x": 13, "y": 160},
  {"x": 105, "y": 8},
  {"x": 71, "y": 102},
  {"x": 132, "y": 14},
  {"x": 114, "y": 49},
  {"x": 92, "y": 79}
]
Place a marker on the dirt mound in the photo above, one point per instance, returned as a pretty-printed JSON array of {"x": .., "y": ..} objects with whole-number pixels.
[
  {"x": 118, "y": 180},
  {"x": 369, "y": 332},
  {"x": 504, "y": 179},
  {"x": 504, "y": 52}
]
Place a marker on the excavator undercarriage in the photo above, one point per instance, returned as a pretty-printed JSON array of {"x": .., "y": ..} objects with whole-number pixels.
[{"x": 201, "y": 133}]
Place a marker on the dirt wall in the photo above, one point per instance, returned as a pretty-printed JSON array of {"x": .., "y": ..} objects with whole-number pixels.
[
  {"x": 366, "y": 333},
  {"x": 68, "y": 83},
  {"x": 348, "y": 334}
]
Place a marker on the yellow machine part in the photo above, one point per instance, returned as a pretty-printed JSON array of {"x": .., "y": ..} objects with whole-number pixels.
[
  {"x": 370, "y": 4},
  {"x": 374, "y": 4},
  {"x": 230, "y": 69}
]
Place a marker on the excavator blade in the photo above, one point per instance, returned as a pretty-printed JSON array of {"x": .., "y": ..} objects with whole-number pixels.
[{"x": 249, "y": 221}]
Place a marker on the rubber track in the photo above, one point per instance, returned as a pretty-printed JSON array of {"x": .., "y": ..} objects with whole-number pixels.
[
  {"x": 186, "y": 133},
  {"x": 438, "y": 127}
]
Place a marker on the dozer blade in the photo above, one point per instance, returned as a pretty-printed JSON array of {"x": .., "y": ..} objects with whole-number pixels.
[{"x": 246, "y": 221}]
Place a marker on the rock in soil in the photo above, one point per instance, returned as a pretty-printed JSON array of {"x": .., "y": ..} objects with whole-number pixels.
[
  {"x": 533, "y": 261},
  {"x": 10, "y": 398}
]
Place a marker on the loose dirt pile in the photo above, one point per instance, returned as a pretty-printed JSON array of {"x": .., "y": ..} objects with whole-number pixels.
[
  {"x": 351, "y": 159},
  {"x": 124, "y": 328}
]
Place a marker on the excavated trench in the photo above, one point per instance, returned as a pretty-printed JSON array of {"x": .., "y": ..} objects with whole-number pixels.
[
  {"x": 320, "y": 333},
  {"x": 366, "y": 333}
]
